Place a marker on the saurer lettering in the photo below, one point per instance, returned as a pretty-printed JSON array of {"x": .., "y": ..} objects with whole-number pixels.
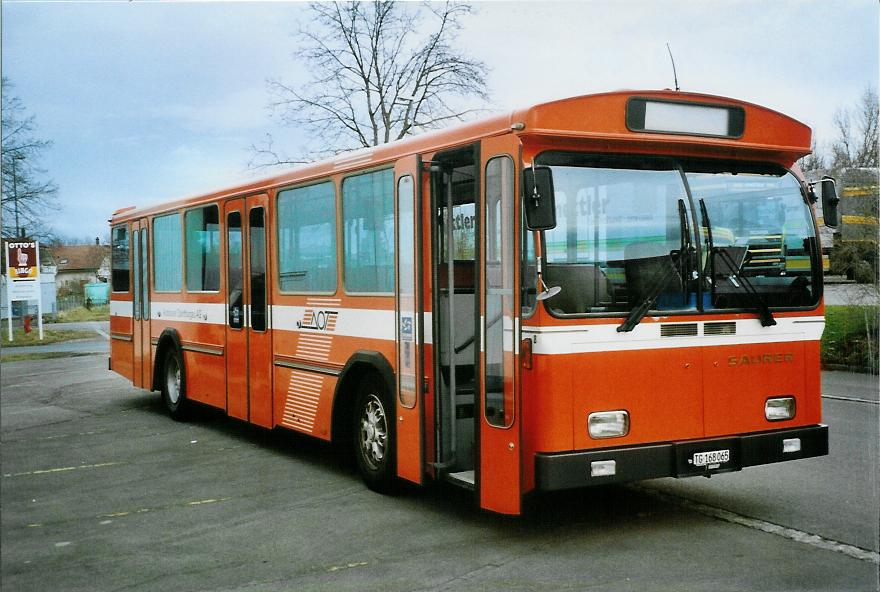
[{"x": 763, "y": 359}]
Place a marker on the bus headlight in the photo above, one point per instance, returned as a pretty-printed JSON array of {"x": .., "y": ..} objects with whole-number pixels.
[
  {"x": 779, "y": 408},
  {"x": 608, "y": 424}
]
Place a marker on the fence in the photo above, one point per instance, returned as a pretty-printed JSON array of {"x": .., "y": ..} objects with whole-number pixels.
[{"x": 69, "y": 302}]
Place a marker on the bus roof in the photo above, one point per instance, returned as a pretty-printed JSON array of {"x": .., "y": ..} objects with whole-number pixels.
[{"x": 601, "y": 120}]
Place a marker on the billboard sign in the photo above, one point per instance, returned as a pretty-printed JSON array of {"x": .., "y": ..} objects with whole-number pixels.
[
  {"x": 22, "y": 262},
  {"x": 23, "y": 277}
]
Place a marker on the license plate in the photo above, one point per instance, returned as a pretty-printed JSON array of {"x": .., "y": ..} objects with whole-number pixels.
[{"x": 714, "y": 457}]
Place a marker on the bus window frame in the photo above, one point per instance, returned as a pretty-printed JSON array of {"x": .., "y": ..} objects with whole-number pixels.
[
  {"x": 337, "y": 197},
  {"x": 184, "y": 266},
  {"x": 340, "y": 246},
  {"x": 127, "y": 226},
  {"x": 152, "y": 225}
]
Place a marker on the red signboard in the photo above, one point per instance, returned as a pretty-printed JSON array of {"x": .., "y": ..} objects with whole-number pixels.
[{"x": 21, "y": 258}]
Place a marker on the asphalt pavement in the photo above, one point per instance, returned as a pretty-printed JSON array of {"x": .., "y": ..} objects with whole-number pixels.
[
  {"x": 100, "y": 343},
  {"x": 102, "y": 491}
]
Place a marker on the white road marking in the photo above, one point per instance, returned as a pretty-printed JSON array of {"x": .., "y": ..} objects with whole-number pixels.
[
  {"x": 853, "y": 399},
  {"x": 63, "y": 469},
  {"x": 100, "y": 332},
  {"x": 793, "y": 534}
]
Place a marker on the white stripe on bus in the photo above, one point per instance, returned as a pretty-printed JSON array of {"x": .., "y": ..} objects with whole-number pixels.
[
  {"x": 380, "y": 324},
  {"x": 605, "y": 338}
]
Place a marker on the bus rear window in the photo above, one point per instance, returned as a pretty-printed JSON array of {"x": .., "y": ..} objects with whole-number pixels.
[{"x": 120, "y": 259}]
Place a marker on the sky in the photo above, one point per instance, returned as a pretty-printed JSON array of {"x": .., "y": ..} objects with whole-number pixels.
[{"x": 149, "y": 101}]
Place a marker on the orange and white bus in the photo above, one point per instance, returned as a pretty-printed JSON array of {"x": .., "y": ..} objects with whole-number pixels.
[{"x": 605, "y": 288}]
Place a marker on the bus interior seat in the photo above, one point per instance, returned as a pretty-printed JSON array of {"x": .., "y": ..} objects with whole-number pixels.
[
  {"x": 643, "y": 264},
  {"x": 584, "y": 286}
]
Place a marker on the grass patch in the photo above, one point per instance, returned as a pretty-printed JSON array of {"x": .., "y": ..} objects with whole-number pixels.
[
  {"x": 45, "y": 356},
  {"x": 81, "y": 314},
  {"x": 22, "y": 339},
  {"x": 850, "y": 338}
]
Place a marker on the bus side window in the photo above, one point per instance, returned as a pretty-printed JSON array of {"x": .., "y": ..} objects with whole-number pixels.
[
  {"x": 235, "y": 279},
  {"x": 257, "y": 241},
  {"x": 368, "y": 232},
  {"x": 120, "y": 261}
]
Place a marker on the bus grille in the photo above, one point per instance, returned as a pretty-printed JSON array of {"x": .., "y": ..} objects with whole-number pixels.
[
  {"x": 678, "y": 330},
  {"x": 726, "y": 328}
]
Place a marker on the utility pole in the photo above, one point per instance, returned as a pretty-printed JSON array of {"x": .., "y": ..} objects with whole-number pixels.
[
  {"x": 16, "y": 309},
  {"x": 16, "y": 157}
]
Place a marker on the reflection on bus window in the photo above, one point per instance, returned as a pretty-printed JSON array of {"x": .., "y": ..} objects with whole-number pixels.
[
  {"x": 203, "y": 249},
  {"x": 257, "y": 260},
  {"x": 234, "y": 271},
  {"x": 307, "y": 239},
  {"x": 167, "y": 253},
  {"x": 120, "y": 259},
  {"x": 761, "y": 230},
  {"x": 368, "y": 222},
  {"x": 622, "y": 236}
]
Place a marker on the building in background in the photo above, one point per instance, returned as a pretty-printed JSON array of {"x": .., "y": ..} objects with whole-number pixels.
[
  {"x": 854, "y": 254},
  {"x": 79, "y": 265}
]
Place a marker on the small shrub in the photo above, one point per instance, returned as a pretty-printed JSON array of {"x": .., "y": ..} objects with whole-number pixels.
[{"x": 850, "y": 338}]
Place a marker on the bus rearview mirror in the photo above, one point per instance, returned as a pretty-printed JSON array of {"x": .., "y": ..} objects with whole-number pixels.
[
  {"x": 829, "y": 202},
  {"x": 539, "y": 201}
]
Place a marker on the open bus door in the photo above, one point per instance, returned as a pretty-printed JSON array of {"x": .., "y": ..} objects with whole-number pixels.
[
  {"x": 409, "y": 318},
  {"x": 475, "y": 321},
  {"x": 500, "y": 458}
]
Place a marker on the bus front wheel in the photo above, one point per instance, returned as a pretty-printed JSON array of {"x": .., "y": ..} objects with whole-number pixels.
[
  {"x": 174, "y": 385},
  {"x": 374, "y": 436}
]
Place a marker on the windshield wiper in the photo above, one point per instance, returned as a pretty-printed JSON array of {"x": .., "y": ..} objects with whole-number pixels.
[{"x": 757, "y": 301}]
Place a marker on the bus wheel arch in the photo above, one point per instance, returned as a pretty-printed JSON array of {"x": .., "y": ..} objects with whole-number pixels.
[
  {"x": 169, "y": 374},
  {"x": 363, "y": 370}
]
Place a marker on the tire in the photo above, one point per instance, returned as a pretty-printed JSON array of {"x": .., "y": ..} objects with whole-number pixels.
[
  {"x": 374, "y": 436},
  {"x": 174, "y": 385}
]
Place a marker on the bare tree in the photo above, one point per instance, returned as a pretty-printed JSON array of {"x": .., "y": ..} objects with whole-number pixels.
[
  {"x": 857, "y": 134},
  {"x": 376, "y": 77},
  {"x": 813, "y": 165},
  {"x": 854, "y": 162},
  {"x": 27, "y": 194}
]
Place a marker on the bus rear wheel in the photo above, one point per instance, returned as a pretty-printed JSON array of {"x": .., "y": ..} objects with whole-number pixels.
[
  {"x": 174, "y": 385},
  {"x": 374, "y": 441}
]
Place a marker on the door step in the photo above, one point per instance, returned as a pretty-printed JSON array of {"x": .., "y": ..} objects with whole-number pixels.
[{"x": 463, "y": 479}]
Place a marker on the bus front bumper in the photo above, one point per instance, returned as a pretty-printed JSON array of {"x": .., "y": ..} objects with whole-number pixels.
[{"x": 688, "y": 458}]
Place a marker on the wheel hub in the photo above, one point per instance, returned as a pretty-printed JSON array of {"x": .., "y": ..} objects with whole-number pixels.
[
  {"x": 374, "y": 432},
  {"x": 172, "y": 379}
]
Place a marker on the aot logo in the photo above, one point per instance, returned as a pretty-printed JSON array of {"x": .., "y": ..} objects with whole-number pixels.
[
  {"x": 318, "y": 320},
  {"x": 763, "y": 359}
]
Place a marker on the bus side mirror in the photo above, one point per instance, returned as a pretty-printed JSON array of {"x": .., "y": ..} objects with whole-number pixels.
[
  {"x": 539, "y": 201},
  {"x": 829, "y": 202}
]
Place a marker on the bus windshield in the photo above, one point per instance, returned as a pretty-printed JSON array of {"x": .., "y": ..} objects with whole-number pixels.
[{"x": 662, "y": 234}]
